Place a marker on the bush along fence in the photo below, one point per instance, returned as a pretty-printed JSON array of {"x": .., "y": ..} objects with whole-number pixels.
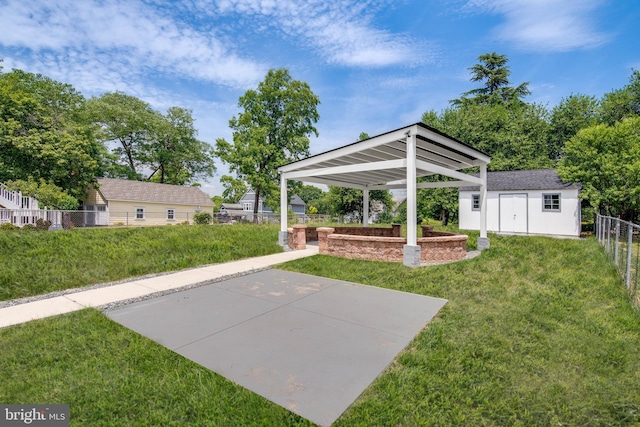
[{"x": 621, "y": 240}]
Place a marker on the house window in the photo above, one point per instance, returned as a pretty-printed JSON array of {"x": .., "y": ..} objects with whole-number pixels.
[
  {"x": 551, "y": 202},
  {"x": 247, "y": 206},
  {"x": 171, "y": 214},
  {"x": 139, "y": 213},
  {"x": 475, "y": 202}
]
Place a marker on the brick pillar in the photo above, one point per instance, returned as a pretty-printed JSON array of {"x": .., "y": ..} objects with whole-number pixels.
[
  {"x": 395, "y": 230},
  {"x": 299, "y": 237},
  {"x": 290, "y": 239},
  {"x": 426, "y": 230},
  {"x": 323, "y": 233}
]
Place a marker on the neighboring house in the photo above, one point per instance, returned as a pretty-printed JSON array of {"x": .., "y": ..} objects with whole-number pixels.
[
  {"x": 296, "y": 204},
  {"x": 231, "y": 212},
  {"x": 18, "y": 209},
  {"x": 120, "y": 201},
  {"x": 527, "y": 201}
]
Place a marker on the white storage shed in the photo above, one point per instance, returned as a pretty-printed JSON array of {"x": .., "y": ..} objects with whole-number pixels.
[{"x": 524, "y": 202}]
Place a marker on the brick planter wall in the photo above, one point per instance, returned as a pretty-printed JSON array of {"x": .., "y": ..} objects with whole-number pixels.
[
  {"x": 441, "y": 246},
  {"x": 393, "y": 231}
]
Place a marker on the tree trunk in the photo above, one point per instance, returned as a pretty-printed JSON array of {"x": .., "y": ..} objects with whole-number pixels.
[
  {"x": 444, "y": 215},
  {"x": 255, "y": 206}
]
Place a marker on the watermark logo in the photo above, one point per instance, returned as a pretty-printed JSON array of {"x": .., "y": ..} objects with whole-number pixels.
[{"x": 34, "y": 415}]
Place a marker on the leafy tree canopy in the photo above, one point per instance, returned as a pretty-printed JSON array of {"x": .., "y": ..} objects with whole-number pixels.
[
  {"x": 234, "y": 189},
  {"x": 515, "y": 136},
  {"x": 606, "y": 160},
  {"x": 309, "y": 193},
  {"x": 149, "y": 145},
  {"x": 46, "y": 193},
  {"x": 493, "y": 72},
  {"x": 573, "y": 113},
  {"x": 621, "y": 103},
  {"x": 272, "y": 130},
  {"x": 41, "y": 135}
]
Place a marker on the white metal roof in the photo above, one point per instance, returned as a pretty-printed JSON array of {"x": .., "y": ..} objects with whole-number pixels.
[{"x": 381, "y": 161}]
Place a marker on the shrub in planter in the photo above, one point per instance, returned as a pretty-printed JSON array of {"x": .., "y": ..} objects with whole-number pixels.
[
  {"x": 8, "y": 226},
  {"x": 42, "y": 225},
  {"x": 202, "y": 218}
]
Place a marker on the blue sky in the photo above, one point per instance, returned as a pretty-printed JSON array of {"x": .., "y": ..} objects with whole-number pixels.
[{"x": 375, "y": 64}]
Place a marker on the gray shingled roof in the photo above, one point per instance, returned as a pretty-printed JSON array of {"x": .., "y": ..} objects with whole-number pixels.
[
  {"x": 538, "y": 179},
  {"x": 139, "y": 191},
  {"x": 296, "y": 200}
]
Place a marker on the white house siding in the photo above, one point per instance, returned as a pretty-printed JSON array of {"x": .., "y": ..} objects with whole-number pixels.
[{"x": 566, "y": 222}]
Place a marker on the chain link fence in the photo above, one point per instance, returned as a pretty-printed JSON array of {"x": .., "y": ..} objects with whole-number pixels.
[{"x": 621, "y": 240}]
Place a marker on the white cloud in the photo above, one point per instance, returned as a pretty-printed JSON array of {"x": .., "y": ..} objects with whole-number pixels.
[
  {"x": 122, "y": 41},
  {"x": 342, "y": 31},
  {"x": 545, "y": 25}
]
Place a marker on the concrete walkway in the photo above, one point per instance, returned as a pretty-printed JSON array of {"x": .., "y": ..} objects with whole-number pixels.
[{"x": 139, "y": 288}]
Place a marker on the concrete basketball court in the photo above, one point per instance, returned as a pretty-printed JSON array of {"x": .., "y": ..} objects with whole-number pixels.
[{"x": 309, "y": 344}]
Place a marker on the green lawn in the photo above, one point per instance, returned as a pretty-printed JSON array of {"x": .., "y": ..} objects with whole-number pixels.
[
  {"x": 537, "y": 331},
  {"x": 35, "y": 263}
]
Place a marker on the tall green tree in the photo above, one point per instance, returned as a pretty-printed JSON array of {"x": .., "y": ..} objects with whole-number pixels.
[
  {"x": 606, "y": 160},
  {"x": 41, "y": 135},
  {"x": 147, "y": 145},
  {"x": 573, "y": 113},
  {"x": 514, "y": 135},
  {"x": 493, "y": 72},
  {"x": 623, "y": 102},
  {"x": 126, "y": 122},
  {"x": 273, "y": 129},
  {"x": 176, "y": 155}
]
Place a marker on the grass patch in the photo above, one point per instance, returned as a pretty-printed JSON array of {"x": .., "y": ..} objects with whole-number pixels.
[
  {"x": 111, "y": 376},
  {"x": 38, "y": 263},
  {"x": 537, "y": 331}
]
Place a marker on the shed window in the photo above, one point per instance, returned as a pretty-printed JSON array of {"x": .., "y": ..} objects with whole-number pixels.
[
  {"x": 475, "y": 202},
  {"x": 247, "y": 206},
  {"x": 171, "y": 214},
  {"x": 139, "y": 213},
  {"x": 551, "y": 202}
]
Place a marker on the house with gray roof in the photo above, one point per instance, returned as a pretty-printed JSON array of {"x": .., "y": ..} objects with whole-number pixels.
[
  {"x": 124, "y": 202},
  {"x": 265, "y": 213},
  {"x": 524, "y": 202}
]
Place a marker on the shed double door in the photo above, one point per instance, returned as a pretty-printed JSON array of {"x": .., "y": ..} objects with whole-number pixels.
[{"x": 513, "y": 213}]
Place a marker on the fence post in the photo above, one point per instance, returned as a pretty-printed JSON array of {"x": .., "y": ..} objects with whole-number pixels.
[
  {"x": 609, "y": 235},
  {"x": 615, "y": 251},
  {"x": 629, "y": 253}
]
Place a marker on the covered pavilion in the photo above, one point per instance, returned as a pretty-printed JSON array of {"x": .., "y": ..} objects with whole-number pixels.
[{"x": 393, "y": 160}]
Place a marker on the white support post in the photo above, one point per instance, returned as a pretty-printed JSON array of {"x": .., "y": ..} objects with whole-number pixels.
[
  {"x": 412, "y": 216},
  {"x": 483, "y": 241},
  {"x": 283, "y": 238},
  {"x": 365, "y": 207},
  {"x": 411, "y": 256}
]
